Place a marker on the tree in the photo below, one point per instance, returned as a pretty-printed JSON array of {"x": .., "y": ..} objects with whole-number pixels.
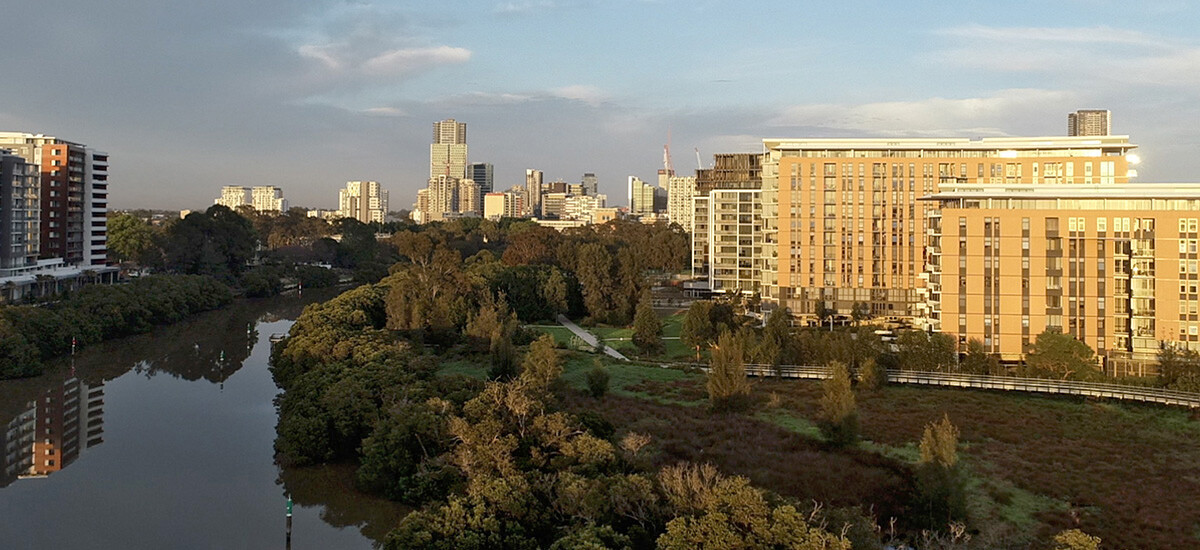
[
  {"x": 130, "y": 238},
  {"x": 728, "y": 389},
  {"x": 698, "y": 330},
  {"x": 978, "y": 360},
  {"x": 860, "y": 311},
  {"x": 542, "y": 365},
  {"x": 776, "y": 339},
  {"x": 1074, "y": 539},
  {"x": 594, "y": 269},
  {"x": 1061, "y": 356},
  {"x": 647, "y": 327},
  {"x": 597, "y": 380},
  {"x": 714, "y": 512},
  {"x": 941, "y": 485},
  {"x": 838, "y": 419},
  {"x": 872, "y": 375},
  {"x": 926, "y": 351},
  {"x": 1179, "y": 369}
]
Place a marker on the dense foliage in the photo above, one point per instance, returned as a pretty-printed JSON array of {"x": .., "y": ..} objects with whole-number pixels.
[{"x": 31, "y": 334}]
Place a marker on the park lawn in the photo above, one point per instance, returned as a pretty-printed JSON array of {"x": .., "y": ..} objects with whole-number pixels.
[
  {"x": 654, "y": 383},
  {"x": 562, "y": 335}
]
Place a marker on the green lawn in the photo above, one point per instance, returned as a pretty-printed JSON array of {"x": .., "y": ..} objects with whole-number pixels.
[
  {"x": 562, "y": 335},
  {"x": 634, "y": 380}
]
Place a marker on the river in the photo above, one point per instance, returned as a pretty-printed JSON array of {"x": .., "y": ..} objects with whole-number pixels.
[{"x": 165, "y": 440}]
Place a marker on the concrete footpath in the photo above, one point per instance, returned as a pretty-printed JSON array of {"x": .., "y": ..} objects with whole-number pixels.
[{"x": 588, "y": 337}]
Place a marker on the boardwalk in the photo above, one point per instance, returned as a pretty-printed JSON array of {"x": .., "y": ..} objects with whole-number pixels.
[
  {"x": 1003, "y": 383},
  {"x": 588, "y": 338}
]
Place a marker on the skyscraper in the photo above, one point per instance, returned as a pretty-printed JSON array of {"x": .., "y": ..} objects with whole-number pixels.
[
  {"x": 680, "y": 190},
  {"x": 448, "y": 153},
  {"x": 1089, "y": 122},
  {"x": 532, "y": 205},
  {"x": 641, "y": 197},
  {"x": 591, "y": 185},
  {"x": 481, "y": 173}
]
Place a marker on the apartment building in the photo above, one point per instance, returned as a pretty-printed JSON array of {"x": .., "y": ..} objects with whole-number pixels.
[
  {"x": 268, "y": 198},
  {"x": 843, "y": 219},
  {"x": 364, "y": 201},
  {"x": 680, "y": 190},
  {"x": 20, "y": 213},
  {"x": 728, "y": 227},
  {"x": 1114, "y": 265},
  {"x": 233, "y": 196},
  {"x": 1089, "y": 122}
]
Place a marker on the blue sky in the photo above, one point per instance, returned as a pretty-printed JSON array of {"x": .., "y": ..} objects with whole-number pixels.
[{"x": 306, "y": 94}]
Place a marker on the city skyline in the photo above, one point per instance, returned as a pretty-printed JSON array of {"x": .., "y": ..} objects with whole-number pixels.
[{"x": 560, "y": 86}]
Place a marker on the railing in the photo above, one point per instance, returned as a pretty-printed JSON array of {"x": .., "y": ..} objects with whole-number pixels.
[{"x": 1004, "y": 383}]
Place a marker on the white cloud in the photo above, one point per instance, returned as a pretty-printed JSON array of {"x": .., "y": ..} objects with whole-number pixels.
[
  {"x": 996, "y": 115},
  {"x": 526, "y": 6},
  {"x": 1091, "y": 56},
  {"x": 384, "y": 111},
  {"x": 403, "y": 61},
  {"x": 579, "y": 92}
]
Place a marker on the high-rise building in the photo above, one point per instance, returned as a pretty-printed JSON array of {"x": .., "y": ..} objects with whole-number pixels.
[
  {"x": 1114, "y": 265},
  {"x": 448, "y": 153},
  {"x": 583, "y": 207},
  {"x": 731, "y": 171},
  {"x": 470, "y": 200},
  {"x": 74, "y": 196},
  {"x": 268, "y": 198},
  {"x": 498, "y": 205},
  {"x": 233, "y": 196},
  {"x": 482, "y": 174},
  {"x": 641, "y": 197},
  {"x": 20, "y": 213},
  {"x": 591, "y": 185},
  {"x": 554, "y": 205},
  {"x": 533, "y": 193},
  {"x": 680, "y": 190},
  {"x": 443, "y": 197},
  {"x": 729, "y": 222},
  {"x": 1089, "y": 122},
  {"x": 843, "y": 221},
  {"x": 364, "y": 201}
]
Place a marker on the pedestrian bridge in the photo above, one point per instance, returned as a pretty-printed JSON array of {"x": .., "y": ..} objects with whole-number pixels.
[{"x": 1160, "y": 396}]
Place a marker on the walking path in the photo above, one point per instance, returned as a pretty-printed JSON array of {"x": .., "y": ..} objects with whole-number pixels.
[{"x": 587, "y": 337}]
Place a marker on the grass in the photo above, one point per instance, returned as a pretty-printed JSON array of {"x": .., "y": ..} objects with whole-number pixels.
[
  {"x": 562, "y": 335},
  {"x": 619, "y": 338},
  {"x": 653, "y": 383},
  {"x": 466, "y": 367}
]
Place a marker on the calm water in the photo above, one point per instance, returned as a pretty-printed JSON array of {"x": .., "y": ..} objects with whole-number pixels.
[{"x": 165, "y": 441}]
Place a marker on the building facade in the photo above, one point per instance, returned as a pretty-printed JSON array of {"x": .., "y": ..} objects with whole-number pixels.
[
  {"x": 729, "y": 229},
  {"x": 20, "y": 213},
  {"x": 844, "y": 224},
  {"x": 1089, "y": 122},
  {"x": 448, "y": 153},
  {"x": 680, "y": 190},
  {"x": 268, "y": 198},
  {"x": 532, "y": 199},
  {"x": 364, "y": 201},
  {"x": 233, "y": 196},
  {"x": 482, "y": 173},
  {"x": 1113, "y": 265},
  {"x": 641, "y": 196}
]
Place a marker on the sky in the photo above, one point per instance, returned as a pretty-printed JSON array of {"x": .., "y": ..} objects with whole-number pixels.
[{"x": 307, "y": 94}]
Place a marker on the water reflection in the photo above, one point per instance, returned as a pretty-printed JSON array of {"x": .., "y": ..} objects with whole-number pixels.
[
  {"x": 52, "y": 431},
  {"x": 174, "y": 424}
]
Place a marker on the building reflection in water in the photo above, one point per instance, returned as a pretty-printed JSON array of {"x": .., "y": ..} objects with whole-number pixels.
[{"x": 52, "y": 431}]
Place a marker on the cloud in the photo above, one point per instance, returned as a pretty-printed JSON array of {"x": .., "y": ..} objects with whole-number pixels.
[
  {"x": 995, "y": 115},
  {"x": 526, "y": 6},
  {"x": 384, "y": 111},
  {"x": 587, "y": 94},
  {"x": 1100, "y": 56}
]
